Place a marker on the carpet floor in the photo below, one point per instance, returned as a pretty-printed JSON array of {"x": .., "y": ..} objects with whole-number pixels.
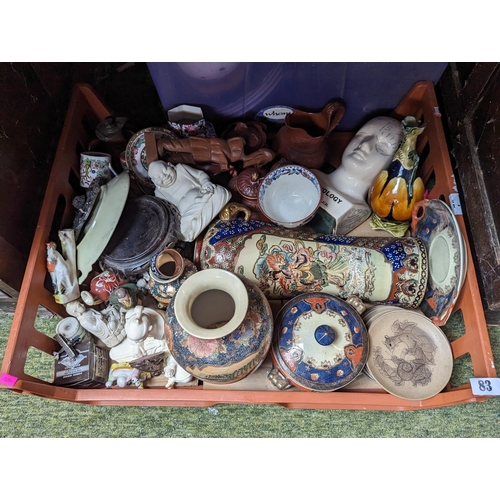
[{"x": 24, "y": 416}]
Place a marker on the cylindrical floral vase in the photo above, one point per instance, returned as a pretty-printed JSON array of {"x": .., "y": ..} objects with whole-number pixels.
[{"x": 285, "y": 262}]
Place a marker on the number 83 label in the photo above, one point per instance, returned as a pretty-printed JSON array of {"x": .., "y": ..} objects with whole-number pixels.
[{"x": 485, "y": 386}]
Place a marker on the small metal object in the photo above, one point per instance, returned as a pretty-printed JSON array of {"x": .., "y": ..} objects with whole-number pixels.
[
  {"x": 66, "y": 346},
  {"x": 277, "y": 379}
]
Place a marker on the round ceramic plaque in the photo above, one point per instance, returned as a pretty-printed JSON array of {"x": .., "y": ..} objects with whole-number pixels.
[
  {"x": 320, "y": 342},
  {"x": 409, "y": 357}
]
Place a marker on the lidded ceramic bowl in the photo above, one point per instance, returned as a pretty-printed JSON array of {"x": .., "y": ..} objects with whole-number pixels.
[
  {"x": 219, "y": 326},
  {"x": 320, "y": 342},
  {"x": 289, "y": 195}
]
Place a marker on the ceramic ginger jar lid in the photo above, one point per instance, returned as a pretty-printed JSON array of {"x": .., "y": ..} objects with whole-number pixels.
[{"x": 320, "y": 342}]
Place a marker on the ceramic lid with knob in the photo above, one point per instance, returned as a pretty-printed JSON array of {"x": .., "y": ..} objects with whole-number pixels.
[{"x": 320, "y": 342}]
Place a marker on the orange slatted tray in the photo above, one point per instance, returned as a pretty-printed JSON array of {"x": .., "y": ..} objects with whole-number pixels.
[{"x": 85, "y": 111}]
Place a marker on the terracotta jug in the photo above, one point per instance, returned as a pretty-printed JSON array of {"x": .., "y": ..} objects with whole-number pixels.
[{"x": 303, "y": 139}]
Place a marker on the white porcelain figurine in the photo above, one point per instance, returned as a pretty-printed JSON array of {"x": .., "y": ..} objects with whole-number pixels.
[
  {"x": 145, "y": 334},
  {"x": 107, "y": 325},
  {"x": 197, "y": 199},
  {"x": 343, "y": 202},
  {"x": 62, "y": 267}
]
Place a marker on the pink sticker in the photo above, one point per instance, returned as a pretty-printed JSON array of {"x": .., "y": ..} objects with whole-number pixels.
[{"x": 7, "y": 379}]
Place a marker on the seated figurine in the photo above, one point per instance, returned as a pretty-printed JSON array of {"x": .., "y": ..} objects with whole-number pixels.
[
  {"x": 175, "y": 373},
  {"x": 107, "y": 325},
  {"x": 145, "y": 335},
  {"x": 190, "y": 190},
  {"x": 343, "y": 201}
]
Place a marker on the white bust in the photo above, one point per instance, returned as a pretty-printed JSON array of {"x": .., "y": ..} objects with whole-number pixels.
[
  {"x": 367, "y": 154},
  {"x": 197, "y": 199}
]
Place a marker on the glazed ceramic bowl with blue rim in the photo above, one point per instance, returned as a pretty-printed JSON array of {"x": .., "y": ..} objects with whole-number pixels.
[
  {"x": 289, "y": 195},
  {"x": 320, "y": 342}
]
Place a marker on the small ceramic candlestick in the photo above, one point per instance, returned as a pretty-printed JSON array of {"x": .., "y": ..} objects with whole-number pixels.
[{"x": 343, "y": 201}]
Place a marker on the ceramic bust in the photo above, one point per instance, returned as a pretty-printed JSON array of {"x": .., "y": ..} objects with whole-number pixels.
[
  {"x": 343, "y": 202},
  {"x": 144, "y": 328},
  {"x": 107, "y": 325},
  {"x": 190, "y": 190}
]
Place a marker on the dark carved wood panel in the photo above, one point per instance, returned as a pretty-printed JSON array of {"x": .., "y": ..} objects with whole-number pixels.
[
  {"x": 33, "y": 102},
  {"x": 471, "y": 97}
]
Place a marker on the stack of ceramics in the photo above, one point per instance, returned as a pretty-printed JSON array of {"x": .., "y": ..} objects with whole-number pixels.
[{"x": 410, "y": 357}]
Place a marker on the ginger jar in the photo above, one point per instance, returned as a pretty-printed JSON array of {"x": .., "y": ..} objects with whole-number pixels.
[
  {"x": 320, "y": 343},
  {"x": 219, "y": 326}
]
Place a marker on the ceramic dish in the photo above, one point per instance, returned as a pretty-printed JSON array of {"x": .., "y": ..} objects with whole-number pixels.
[
  {"x": 101, "y": 223},
  {"x": 135, "y": 156},
  {"x": 320, "y": 342},
  {"x": 409, "y": 356},
  {"x": 435, "y": 224},
  {"x": 289, "y": 195}
]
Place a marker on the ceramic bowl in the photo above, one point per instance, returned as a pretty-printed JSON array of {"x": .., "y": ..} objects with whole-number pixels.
[{"x": 289, "y": 195}]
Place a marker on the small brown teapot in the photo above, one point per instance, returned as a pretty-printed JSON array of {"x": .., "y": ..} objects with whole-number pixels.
[{"x": 303, "y": 139}]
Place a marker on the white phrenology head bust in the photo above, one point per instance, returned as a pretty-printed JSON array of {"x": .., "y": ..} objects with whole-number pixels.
[
  {"x": 374, "y": 145},
  {"x": 369, "y": 152}
]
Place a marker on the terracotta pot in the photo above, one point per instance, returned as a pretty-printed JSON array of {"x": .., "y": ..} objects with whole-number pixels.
[{"x": 303, "y": 139}]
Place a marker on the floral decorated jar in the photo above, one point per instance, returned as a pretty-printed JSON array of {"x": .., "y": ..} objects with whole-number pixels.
[
  {"x": 167, "y": 272},
  {"x": 286, "y": 262},
  {"x": 219, "y": 326}
]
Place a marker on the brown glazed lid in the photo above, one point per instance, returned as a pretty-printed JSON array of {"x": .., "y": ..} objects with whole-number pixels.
[{"x": 248, "y": 182}]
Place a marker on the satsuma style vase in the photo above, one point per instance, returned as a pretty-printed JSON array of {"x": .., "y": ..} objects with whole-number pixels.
[
  {"x": 287, "y": 262},
  {"x": 213, "y": 332}
]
